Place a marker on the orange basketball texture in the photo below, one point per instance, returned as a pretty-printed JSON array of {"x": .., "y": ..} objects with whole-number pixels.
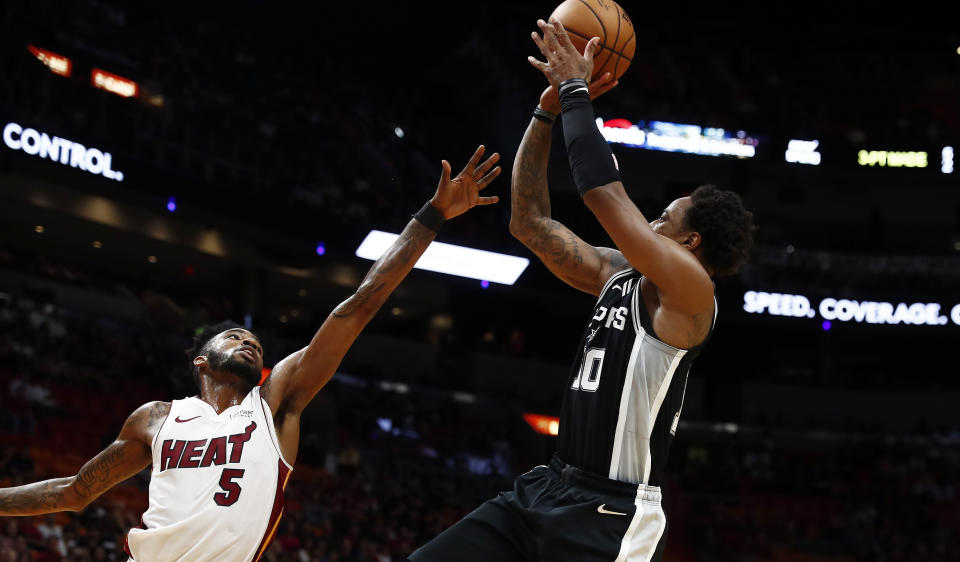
[{"x": 586, "y": 19}]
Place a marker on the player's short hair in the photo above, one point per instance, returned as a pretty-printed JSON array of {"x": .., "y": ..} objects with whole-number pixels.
[
  {"x": 201, "y": 339},
  {"x": 725, "y": 226}
]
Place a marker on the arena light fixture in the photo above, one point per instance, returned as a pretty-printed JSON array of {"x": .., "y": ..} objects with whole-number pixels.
[
  {"x": 678, "y": 137},
  {"x": 451, "y": 259},
  {"x": 545, "y": 425},
  {"x": 946, "y": 160},
  {"x": 58, "y": 64},
  {"x": 803, "y": 152},
  {"x": 113, "y": 83}
]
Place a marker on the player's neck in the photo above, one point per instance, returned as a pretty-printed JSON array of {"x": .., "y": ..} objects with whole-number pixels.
[{"x": 222, "y": 391}]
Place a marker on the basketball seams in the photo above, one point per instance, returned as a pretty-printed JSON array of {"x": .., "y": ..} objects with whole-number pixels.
[
  {"x": 616, "y": 41},
  {"x": 573, "y": 11},
  {"x": 607, "y": 48},
  {"x": 599, "y": 20}
]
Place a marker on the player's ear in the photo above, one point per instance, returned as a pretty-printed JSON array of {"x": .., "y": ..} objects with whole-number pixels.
[
  {"x": 200, "y": 361},
  {"x": 691, "y": 240}
]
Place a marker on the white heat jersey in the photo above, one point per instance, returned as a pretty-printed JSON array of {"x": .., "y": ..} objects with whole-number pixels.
[{"x": 216, "y": 489}]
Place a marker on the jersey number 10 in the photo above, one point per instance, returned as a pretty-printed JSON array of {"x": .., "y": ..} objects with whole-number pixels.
[{"x": 588, "y": 379}]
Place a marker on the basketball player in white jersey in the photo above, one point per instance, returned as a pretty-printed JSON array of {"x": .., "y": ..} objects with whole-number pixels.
[
  {"x": 600, "y": 498},
  {"x": 220, "y": 461}
]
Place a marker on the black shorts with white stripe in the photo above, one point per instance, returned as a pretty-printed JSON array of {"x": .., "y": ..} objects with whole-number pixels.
[{"x": 557, "y": 513}]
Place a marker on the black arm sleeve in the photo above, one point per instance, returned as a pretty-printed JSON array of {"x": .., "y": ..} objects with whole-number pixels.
[{"x": 591, "y": 160}]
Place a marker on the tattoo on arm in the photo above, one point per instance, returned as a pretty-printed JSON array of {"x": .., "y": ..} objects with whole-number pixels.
[
  {"x": 389, "y": 270},
  {"x": 121, "y": 459},
  {"x": 615, "y": 261},
  {"x": 570, "y": 258},
  {"x": 34, "y": 499},
  {"x": 530, "y": 199},
  {"x": 95, "y": 475}
]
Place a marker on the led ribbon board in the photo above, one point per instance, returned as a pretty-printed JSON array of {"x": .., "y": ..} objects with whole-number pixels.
[
  {"x": 452, "y": 259},
  {"x": 802, "y": 152},
  {"x": 113, "y": 83},
  {"x": 849, "y": 310},
  {"x": 892, "y": 159},
  {"x": 58, "y": 64},
  {"x": 69, "y": 153},
  {"x": 676, "y": 137}
]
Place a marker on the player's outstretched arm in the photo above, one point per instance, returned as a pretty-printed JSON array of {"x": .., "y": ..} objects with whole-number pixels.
[
  {"x": 683, "y": 283},
  {"x": 297, "y": 379},
  {"x": 126, "y": 456},
  {"x": 577, "y": 263}
]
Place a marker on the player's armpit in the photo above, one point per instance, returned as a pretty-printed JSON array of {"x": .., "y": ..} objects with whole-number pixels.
[
  {"x": 567, "y": 256},
  {"x": 127, "y": 455},
  {"x": 680, "y": 278}
]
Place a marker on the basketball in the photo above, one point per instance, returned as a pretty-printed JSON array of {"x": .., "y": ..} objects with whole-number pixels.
[{"x": 586, "y": 19}]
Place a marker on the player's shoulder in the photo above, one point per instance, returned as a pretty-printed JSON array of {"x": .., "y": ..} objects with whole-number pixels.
[
  {"x": 150, "y": 413},
  {"x": 144, "y": 422}
]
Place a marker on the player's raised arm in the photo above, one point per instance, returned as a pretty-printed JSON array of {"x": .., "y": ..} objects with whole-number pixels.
[
  {"x": 296, "y": 379},
  {"x": 126, "y": 456},
  {"x": 577, "y": 263},
  {"x": 684, "y": 284}
]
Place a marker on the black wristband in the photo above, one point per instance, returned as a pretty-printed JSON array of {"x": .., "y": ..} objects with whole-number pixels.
[
  {"x": 572, "y": 91},
  {"x": 430, "y": 217},
  {"x": 591, "y": 160},
  {"x": 544, "y": 115}
]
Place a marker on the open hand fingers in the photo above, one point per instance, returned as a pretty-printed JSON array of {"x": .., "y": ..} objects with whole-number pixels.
[
  {"x": 594, "y": 94},
  {"x": 471, "y": 166},
  {"x": 487, "y": 200},
  {"x": 563, "y": 38},
  {"x": 485, "y": 167},
  {"x": 444, "y": 172},
  {"x": 603, "y": 84},
  {"x": 593, "y": 45},
  {"x": 539, "y": 65},
  {"x": 549, "y": 36},
  {"x": 544, "y": 50},
  {"x": 602, "y": 80},
  {"x": 485, "y": 180}
]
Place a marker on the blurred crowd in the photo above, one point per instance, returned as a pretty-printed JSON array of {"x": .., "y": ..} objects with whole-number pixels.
[{"x": 381, "y": 471}]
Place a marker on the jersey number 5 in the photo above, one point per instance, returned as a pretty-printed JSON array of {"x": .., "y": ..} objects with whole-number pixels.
[
  {"x": 231, "y": 490},
  {"x": 588, "y": 379}
]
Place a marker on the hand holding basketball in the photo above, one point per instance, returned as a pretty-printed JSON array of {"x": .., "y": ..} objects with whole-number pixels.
[
  {"x": 563, "y": 60},
  {"x": 550, "y": 101}
]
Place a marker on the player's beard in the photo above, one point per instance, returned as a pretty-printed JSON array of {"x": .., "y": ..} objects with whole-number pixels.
[{"x": 242, "y": 368}]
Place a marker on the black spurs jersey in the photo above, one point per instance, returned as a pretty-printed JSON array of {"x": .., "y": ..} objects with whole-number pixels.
[{"x": 626, "y": 389}]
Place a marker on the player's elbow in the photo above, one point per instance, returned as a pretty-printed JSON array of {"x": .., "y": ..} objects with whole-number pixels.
[
  {"x": 518, "y": 229},
  {"x": 522, "y": 228},
  {"x": 72, "y": 500}
]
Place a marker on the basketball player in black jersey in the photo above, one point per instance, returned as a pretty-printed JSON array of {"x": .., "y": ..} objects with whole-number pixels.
[{"x": 600, "y": 499}]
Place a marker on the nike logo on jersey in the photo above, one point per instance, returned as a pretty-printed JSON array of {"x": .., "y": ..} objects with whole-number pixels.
[
  {"x": 178, "y": 420},
  {"x": 607, "y": 511}
]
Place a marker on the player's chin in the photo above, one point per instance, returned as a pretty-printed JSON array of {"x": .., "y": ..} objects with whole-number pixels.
[{"x": 245, "y": 370}]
